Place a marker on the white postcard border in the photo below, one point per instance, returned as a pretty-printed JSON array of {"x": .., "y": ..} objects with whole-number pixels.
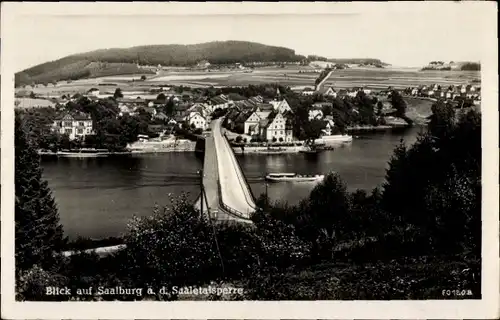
[{"x": 485, "y": 308}]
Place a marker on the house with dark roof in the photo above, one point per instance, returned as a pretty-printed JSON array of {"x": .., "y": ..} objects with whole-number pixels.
[
  {"x": 307, "y": 92},
  {"x": 220, "y": 101},
  {"x": 256, "y": 100},
  {"x": 244, "y": 104},
  {"x": 74, "y": 124},
  {"x": 202, "y": 108},
  {"x": 342, "y": 93},
  {"x": 196, "y": 120},
  {"x": 151, "y": 110},
  {"x": 181, "y": 110},
  {"x": 251, "y": 123},
  {"x": 276, "y": 128},
  {"x": 281, "y": 106},
  {"x": 267, "y": 125},
  {"x": 261, "y": 107},
  {"x": 316, "y": 112},
  {"x": 160, "y": 116}
]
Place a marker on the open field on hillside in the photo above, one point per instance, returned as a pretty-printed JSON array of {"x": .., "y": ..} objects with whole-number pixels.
[
  {"x": 383, "y": 78},
  {"x": 23, "y": 103},
  {"x": 347, "y": 78},
  {"x": 290, "y": 76}
]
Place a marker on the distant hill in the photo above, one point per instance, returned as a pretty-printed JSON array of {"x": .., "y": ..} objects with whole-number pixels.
[
  {"x": 117, "y": 61},
  {"x": 74, "y": 68},
  {"x": 453, "y": 65}
]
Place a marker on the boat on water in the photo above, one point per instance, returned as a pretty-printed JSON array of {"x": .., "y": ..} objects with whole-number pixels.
[
  {"x": 271, "y": 151},
  {"x": 313, "y": 151},
  {"x": 293, "y": 177},
  {"x": 82, "y": 154}
]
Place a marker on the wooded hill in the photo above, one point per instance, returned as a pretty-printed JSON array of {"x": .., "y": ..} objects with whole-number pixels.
[{"x": 119, "y": 61}]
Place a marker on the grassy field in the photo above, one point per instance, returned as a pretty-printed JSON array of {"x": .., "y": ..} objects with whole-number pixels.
[
  {"x": 29, "y": 103},
  {"x": 347, "y": 78},
  {"x": 295, "y": 77}
]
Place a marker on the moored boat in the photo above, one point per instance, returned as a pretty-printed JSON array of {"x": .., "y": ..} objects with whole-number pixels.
[
  {"x": 293, "y": 177},
  {"x": 81, "y": 154},
  {"x": 313, "y": 151}
]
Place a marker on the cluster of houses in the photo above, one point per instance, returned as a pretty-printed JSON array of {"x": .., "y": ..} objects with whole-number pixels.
[
  {"x": 262, "y": 120},
  {"x": 188, "y": 111},
  {"x": 265, "y": 120},
  {"x": 452, "y": 92},
  {"x": 272, "y": 120},
  {"x": 332, "y": 93}
]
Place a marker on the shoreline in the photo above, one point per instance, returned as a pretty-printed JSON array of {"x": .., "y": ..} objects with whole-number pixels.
[{"x": 153, "y": 147}]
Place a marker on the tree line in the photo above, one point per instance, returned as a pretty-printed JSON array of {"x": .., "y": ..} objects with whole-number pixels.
[{"x": 419, "y": 232}]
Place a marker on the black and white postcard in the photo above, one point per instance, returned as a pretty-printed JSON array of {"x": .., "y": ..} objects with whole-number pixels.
[{"x": 251, "y": 160}]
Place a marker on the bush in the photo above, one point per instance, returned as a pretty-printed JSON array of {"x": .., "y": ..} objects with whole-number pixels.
[{"x": 238, "y": 139}]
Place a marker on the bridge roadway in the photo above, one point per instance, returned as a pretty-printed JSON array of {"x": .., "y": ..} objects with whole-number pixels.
[{"x": 227, "y": 195}]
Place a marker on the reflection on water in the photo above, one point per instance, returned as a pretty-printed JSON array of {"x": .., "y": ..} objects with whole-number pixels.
[{"x": 97, "y": 196}]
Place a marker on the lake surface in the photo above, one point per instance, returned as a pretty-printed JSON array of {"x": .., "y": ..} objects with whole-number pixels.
[{"x": 96, "y": 197}]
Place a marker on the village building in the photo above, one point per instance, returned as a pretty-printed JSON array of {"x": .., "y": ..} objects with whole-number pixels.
[
  {"x": 75, "y": 125},
  {"x": 307, "y": 92},
  {"x": 203, "y": 108},
  {"x": 352, "y": 93},
  {"x": 327, "y": 92},
  {"x": 276, "y": 127},
  {"x": 281, "y": 106},
  {"x": 126, "y": 109},
  {"x": 160, "y": 116},
  {"x": 220, "y": 102},
  {"x": 152, "y": 111},
  {"x": 315, "y": 112},
  {"x": 251, "y": 124},
  {"x": 195, "y": 119},
  {"x": 328, "y": 130}
]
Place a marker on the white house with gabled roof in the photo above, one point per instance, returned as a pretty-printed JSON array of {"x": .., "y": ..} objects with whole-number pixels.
[
  {"x": 281, "y": 106},
  {"x": 197, "y": 120}
]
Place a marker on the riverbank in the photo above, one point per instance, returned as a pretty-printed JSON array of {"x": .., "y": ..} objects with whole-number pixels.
[
  {"x": 267, "y": 150},
  {"x": 134, "y": 148},
  {"x": 77, "y": 154},
  {"x": 298, "y": 146},
  {"x": 379, "y": 128},
  {"x": 180, "y": 145}
]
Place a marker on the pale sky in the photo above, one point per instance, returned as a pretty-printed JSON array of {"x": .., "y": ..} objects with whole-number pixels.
[{"x": 402, "y": 38}]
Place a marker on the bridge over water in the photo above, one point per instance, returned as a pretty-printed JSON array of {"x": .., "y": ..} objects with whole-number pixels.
[{"x": 226, "y": 193}]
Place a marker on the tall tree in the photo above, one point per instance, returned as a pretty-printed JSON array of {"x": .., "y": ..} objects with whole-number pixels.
[
  {"x": 39, "y": 234},
  {"x": 170, "y": 107},
  {"x": 400, "y": 105},
  {"x": 442, "y": 120},
  {"x": 118, "y": 93},
  {"x": 161, "y": 97}
]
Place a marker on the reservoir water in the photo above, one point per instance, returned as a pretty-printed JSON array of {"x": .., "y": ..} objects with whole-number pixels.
[{"x": 96, "y": 197}]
